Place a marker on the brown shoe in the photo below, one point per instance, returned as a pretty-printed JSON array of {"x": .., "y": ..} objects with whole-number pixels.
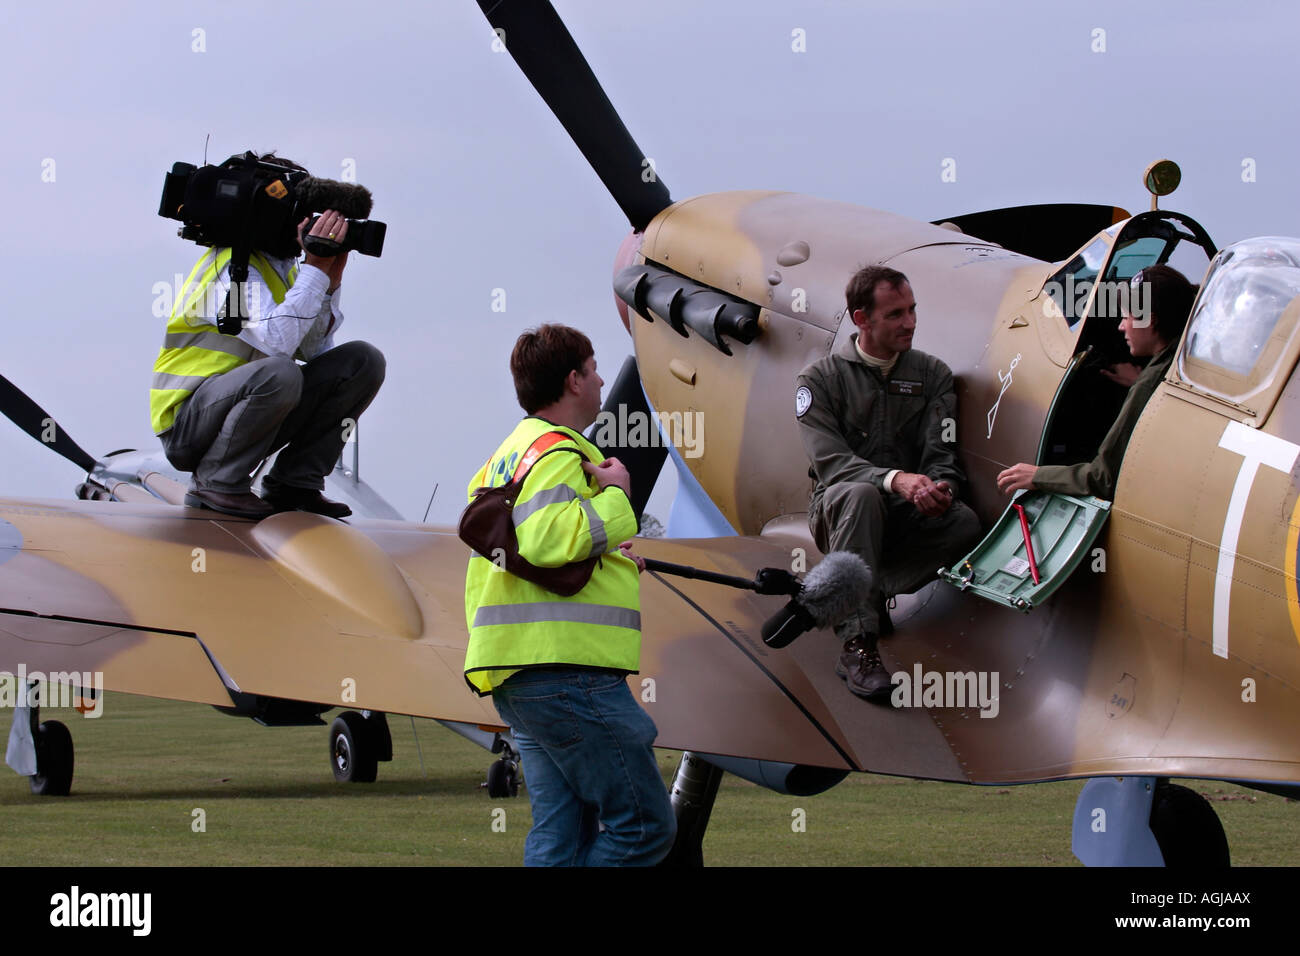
[
  {"x": 242, "y": 505},
  {"x": 288, "y": 498},
  {"x": 860, "y": 666}
]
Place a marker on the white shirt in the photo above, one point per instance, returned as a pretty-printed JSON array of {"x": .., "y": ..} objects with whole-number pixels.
[{"x": 302, "y": 326}]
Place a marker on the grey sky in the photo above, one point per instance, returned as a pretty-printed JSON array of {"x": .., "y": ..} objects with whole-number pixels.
[{"x": 483, "y": 190}]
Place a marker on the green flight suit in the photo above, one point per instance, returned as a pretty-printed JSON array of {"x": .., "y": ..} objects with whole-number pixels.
[{"x": 856, "y": 427}]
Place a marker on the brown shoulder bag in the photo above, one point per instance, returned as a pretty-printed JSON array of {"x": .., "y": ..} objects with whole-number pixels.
[{"x": 487, "y": 525}]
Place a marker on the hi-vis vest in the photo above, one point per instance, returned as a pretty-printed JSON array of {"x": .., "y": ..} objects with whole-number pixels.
[
  {"x": 559, "y": 517},
  {"x": 193, "y": 349}
]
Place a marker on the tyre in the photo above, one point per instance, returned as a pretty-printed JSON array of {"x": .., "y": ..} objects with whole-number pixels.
[
  {"x": 503, "y": 779},
  {"x": 53, "y": 777},
  {"x": 353, "y": 754},
  {"x": 1186, "y": 828}
]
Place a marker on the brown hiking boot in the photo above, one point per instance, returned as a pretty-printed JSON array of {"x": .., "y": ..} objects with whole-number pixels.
[{"x": 860, "y": 666}]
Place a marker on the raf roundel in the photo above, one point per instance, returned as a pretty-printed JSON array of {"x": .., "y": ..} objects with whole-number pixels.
[{"x": 802, "y": 401}]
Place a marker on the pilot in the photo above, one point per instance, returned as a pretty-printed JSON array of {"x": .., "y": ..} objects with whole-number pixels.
[
  {"x": 877, "y": 420},
  {"x": 1169, "y": 302},
  {"x": 221, "y": 403},
  {"x": 557, "y": 667}
]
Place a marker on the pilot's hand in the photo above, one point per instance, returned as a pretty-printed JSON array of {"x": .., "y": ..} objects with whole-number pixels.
[
  {"x": 928, "y": 497},
  {"x": 331, "y": 225},
  {"x": 1124, "y": 373},
  {"x": 626, "y": 548},
  {"x": 610, "y": 472},
  {"x": 1016, "y": 478}
]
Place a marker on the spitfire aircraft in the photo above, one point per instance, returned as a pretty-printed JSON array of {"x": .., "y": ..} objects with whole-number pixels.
[{"x": 1165, "y": 647}]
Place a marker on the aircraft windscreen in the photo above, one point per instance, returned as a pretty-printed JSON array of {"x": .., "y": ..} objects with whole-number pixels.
[
  {"x": 1070, "y": 285},
  {"x": 1145, "y": 240},
  {"x": 1131, "y": 257},
  {"x": 1245, "y": 295}
]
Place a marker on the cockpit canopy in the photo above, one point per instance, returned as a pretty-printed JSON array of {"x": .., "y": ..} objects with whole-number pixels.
[
  {"x": 1246, "y": 315},
  {"x": 1094, "y": 282}
]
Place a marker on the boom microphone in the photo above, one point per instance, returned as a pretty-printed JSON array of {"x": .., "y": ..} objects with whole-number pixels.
[
  {"x": 354, "y": 202},
  {"x": 832, "y": 592},
  {"x": 316, "y": 195}
]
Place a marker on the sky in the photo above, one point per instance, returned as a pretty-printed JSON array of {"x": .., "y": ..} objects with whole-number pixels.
[{"x": 865, "y": 102}]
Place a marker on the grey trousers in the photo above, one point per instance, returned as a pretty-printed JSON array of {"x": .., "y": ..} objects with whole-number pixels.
[
  {"x": 903, "y": 547},
  {"x": 234, "y": 420}
]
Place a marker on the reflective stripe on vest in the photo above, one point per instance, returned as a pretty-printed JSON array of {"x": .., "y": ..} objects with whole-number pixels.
[
  {"x": 193, "y": 348},
  {"x": 557, "y": 611},
  {"x": 514, "y": 623}
]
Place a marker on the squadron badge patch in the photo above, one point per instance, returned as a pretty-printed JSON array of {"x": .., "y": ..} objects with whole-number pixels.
[{"x": 802, "y": 401}]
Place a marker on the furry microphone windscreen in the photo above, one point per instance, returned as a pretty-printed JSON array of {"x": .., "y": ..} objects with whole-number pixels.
[
  {"x": 836, "y": 588},
  {"x": 317, "y": 195}
]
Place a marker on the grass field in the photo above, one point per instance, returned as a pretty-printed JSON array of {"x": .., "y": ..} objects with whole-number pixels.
[{"x": 267, "y": 798}]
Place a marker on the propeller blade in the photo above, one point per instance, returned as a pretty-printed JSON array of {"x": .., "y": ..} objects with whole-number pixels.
[
  {"x": 625, "y": 409},
  {"x": 542, "y": 46},
  {"x": 38, "y": 423}
]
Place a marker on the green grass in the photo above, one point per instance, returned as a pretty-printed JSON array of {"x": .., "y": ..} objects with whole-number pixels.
[{"x": 268, "y": 799}]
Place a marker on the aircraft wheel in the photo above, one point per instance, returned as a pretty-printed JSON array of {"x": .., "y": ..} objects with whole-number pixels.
[
  {"x": 503, "y": 779},
  {"x": 353, "y": 751},
  {"x": 1186, "y": 828},
  {"x": 53, "y": 777}
]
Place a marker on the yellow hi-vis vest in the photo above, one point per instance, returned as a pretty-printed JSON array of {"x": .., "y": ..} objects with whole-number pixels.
[
  {"x": 561, "y": 516},
  {"x": 193, "y": 348}
]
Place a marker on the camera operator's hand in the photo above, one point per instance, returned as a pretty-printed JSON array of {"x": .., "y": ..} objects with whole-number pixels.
[
  {"x": 331, "y": 225},
  {"x": 335, "y": 271}
]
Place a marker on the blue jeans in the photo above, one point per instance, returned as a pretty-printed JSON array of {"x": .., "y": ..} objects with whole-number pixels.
[{"x": 586, "y": 747}]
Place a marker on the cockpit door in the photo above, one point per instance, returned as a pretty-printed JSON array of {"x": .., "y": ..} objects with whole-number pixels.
[{"x": 1020, "y": 563}]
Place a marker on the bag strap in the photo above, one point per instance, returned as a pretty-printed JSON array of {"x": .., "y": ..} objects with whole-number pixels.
[
  {"x": 542, "y": 446},
  {"x": 535, "y": 451}
]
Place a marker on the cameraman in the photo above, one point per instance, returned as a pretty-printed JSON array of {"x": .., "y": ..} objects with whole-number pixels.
[{"x": 222, "y": 403}]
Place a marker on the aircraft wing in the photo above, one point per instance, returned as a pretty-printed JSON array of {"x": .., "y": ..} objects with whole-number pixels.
[
  {"x": 174, "y": 602},
  {"x": 178, "y": 603},
  {"x": 169, "y": 602}
]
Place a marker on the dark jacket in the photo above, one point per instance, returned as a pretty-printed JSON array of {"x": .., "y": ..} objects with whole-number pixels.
[{"x": 1098, "y": 477}]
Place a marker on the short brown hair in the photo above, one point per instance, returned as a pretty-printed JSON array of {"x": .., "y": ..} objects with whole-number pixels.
[
  {"x": 861, "y": 290},
  {"x": 541, "y": 361}
]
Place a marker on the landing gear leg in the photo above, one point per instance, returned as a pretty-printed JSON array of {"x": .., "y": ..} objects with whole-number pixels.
[{"x": 694, "y": 789}]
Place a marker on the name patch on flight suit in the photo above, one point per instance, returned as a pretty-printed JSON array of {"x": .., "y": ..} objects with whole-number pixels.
[{"x": 902, "y": 386}]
